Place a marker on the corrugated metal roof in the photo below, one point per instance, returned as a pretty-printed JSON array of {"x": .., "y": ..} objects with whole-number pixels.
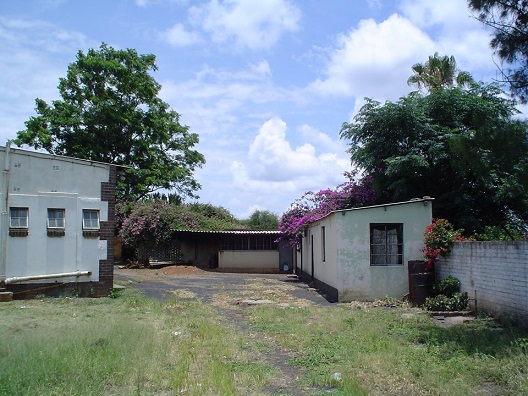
[{"x": 238, "y": 232}]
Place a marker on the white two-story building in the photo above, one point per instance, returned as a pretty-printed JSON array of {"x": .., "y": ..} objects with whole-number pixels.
[{"x": 57, "y": 224}]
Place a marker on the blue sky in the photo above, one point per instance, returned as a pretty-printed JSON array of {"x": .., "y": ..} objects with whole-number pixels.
[{"x": 266, "y": 84}]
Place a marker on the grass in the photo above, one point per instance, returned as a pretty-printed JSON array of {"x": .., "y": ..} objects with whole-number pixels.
[
  {"x": 398, "y": 351},
  {"x": 122, "y": 346},
  {"x": 130, "y": 345}
]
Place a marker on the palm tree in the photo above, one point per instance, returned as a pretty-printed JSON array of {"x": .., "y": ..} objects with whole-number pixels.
[{"x": 439, "y": 72}]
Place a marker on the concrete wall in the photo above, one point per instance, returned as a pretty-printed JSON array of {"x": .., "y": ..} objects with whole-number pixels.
[
  {"x": 346, "y": 271},
  {"x": 250, "y": 260},
  {"x": 498, "y": 271},
  {"x": 41, "y": 181}
]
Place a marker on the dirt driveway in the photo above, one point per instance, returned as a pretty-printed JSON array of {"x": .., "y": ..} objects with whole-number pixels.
[{"x": 219, "y": 288}]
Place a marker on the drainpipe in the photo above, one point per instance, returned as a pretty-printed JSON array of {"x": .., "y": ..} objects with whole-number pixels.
[
  {"x": 18, "y": 279},
  {"x": 4, "y": 219}
]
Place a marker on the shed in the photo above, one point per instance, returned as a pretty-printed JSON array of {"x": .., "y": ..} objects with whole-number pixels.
[{"x": 228, "y": 250}]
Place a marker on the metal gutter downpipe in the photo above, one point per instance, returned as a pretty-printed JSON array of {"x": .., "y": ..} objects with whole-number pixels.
[
  {"x": 4, "y": 218},
  {"x": 19, "y": 279}
]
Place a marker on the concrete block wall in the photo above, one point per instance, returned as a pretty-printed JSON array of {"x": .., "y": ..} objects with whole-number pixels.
[{"x": 496, "y": 270}]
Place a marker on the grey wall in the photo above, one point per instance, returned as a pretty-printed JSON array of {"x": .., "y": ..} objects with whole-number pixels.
[{"x": 498, "y": 271}]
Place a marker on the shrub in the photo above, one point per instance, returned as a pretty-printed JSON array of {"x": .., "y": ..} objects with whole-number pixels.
[
  {"x": 356, "y": 192},
  {"x": 438, "y": 239},
  {"x": 458, "y": 302},
  {"x": 447, "y": 296},
  {"x": 447, "y": 286}
]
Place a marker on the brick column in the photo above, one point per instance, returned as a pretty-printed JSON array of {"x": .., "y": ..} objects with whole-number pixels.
[{"x": 107, "y": 232}]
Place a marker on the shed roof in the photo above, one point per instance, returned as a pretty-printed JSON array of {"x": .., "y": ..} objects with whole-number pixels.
[{"x": 236, "y": 232}]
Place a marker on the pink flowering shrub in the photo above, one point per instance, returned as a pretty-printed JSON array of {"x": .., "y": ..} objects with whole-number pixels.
[
  {"x": 438, "y": 239},
  {"x": 313, "y": 206}
]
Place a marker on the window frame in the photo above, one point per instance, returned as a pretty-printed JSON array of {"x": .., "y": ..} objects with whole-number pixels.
[
  {"x": 11, "y": 217},
  {"x": 98, "y": 219},
  {"x": 49, "y": 219},
  {"x": 386, "y": 249}
]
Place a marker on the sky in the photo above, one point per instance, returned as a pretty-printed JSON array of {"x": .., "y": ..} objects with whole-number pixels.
[{"x": 266, "y": 84}]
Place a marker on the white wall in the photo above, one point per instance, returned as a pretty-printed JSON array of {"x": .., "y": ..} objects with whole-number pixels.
[
  {"x": 497, "y": 271},
  {"x": 324, "y": 271},
  {"x": 38, "y": 182},
  {"x": 359, "y": 280},
  {"x": 347, "y": 267},
  {"x": 250, "y": 260}
]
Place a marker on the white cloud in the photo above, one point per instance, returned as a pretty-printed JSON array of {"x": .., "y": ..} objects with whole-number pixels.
[
  {"x": 178, "y": 36},
  {"x": 374, "y": 59},
  {"x": 272, "y": 159},
  {"x": 455, "y": 32},
  {"x": 251, "y": 24}
]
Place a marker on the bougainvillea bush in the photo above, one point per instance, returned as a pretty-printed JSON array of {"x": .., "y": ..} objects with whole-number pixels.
[
  {"x": 438, "y": 239},
  {"x": 155, "y": 221},
  {"x": 356, "y": 192}
]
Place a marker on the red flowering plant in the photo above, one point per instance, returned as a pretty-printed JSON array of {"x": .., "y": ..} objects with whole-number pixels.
[
  {"x": 438, "y": 239},
  {"x": 356, "y": 192}
]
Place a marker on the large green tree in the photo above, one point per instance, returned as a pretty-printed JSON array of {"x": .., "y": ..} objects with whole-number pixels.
[
  {"x": 462, "y": 147},
  {"x": 110, "y": 112},
  {"x": 509, "y": 20}
]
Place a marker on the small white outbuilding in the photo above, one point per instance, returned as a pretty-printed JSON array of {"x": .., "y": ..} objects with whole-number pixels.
[{"x": 363, "y": 253}]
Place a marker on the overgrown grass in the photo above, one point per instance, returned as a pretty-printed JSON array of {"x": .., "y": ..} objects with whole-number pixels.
[
  {"x": 131, "y": 345},
  {"x": 122, "y": 346},
  {"x": 384, "y": 351}
]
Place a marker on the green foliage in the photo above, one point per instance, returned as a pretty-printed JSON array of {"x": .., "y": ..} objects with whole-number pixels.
[
  {"x": 507, "y": 233},
  {"x": 262, "y": 220},
  {"x": 110, "y": 112},
  {"x": 457, "y": 302},
  {"x": 439, "y": 72},
  {"x": 462, "y": 147},
  {"x": 447, "y": 286},
  {"x": 509, "y": 20}
]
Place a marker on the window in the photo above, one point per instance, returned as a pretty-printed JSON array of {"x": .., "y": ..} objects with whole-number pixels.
[
  {"x": 18, "y": 222},
  {"x": 249, "y": 242},
  {"x": 386, "y": 244},
  {"x": 90, "y": 219},
  {"x": 56, "y": 222},
  {"x": 56, "y": 218},
  {"x": 90, "y": 223},
  {"x": 323, "y": 244},
  {"x": 18, "y": 217}
]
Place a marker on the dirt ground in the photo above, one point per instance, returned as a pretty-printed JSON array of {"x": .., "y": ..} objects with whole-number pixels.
[{"x": 219, "y": 288}]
